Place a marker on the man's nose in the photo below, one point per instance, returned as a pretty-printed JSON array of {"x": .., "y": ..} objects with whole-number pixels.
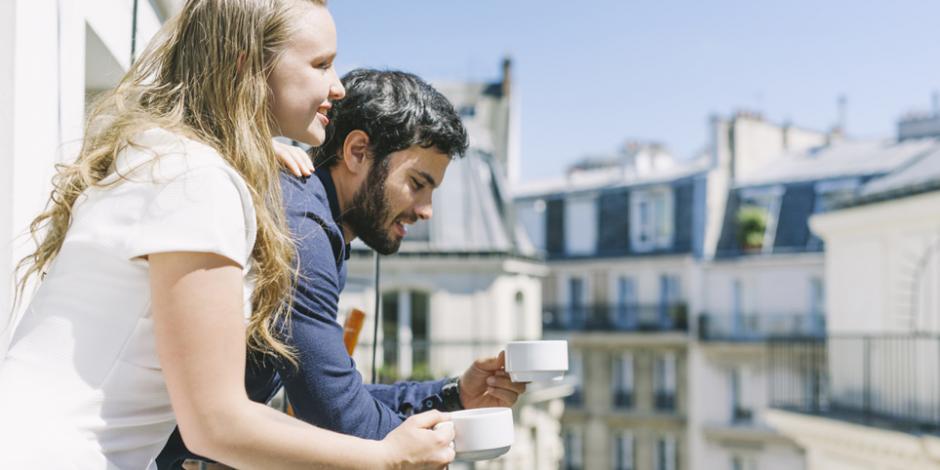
[{"x": 424, "y": 211}]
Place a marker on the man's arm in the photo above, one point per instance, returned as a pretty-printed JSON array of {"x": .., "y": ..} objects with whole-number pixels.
[{"x": 325, "y": 388}]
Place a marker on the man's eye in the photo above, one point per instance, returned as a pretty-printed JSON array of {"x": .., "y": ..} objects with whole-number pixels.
[{"x": 418, "y": 186}]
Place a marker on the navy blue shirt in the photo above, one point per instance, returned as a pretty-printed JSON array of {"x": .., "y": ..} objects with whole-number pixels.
[{"x": 325, "y": 389}]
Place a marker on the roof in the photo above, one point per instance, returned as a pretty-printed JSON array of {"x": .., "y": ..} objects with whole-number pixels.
[
  {"x": 919, "y": 175},
  {"x": 607, "y": 179},
  {"x": 843, "y": 159}
]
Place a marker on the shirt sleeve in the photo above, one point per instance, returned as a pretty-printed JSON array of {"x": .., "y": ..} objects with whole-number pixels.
[{"x": 203, "y": 209}]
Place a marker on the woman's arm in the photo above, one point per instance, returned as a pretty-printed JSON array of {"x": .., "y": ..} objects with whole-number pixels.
[{"x": 201, "y": 342}]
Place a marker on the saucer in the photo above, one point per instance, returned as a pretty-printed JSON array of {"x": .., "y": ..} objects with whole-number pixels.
[{"x": 483, "y": 454}]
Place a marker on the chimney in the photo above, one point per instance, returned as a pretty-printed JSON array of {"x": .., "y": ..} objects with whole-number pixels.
[{"x": 507, "y": 76}]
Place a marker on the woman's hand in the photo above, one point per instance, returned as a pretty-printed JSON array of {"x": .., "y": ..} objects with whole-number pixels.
[
  {"x": 293, "y": 158},
  {"x": 423, "y": 441}
]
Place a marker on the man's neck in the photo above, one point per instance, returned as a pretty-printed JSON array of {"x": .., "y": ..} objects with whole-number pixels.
[{"x": 344, "y": 196}]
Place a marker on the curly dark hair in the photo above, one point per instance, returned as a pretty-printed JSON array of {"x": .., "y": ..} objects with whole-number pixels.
[{"x": 397, "y": 110}]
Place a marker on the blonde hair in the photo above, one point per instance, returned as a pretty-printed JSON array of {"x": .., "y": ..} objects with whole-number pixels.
[{"x": 204, "y": 76}]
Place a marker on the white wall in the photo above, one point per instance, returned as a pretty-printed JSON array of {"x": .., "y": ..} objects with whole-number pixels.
[
  {"x": 772, "y": 285},
  {"x": 872, "y": 254},
  {"x": 42, "y": 104}
]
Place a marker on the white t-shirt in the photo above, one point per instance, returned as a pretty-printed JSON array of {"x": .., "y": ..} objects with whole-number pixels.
[{"x": 81, "y": 386}]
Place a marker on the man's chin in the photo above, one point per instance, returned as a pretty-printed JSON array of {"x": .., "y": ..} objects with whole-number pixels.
[{"x": 387, "y": 246}]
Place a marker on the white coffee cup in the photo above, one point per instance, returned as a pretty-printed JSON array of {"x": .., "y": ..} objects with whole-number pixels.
[
  {"x": 537, "y": 361},
  {"x": 482, "y": 433}
]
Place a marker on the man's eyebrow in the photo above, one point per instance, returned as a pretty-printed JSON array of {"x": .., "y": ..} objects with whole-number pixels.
[{"x": 428, "y": 177}]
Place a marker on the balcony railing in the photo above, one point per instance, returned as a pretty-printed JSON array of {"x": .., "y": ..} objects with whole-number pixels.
[
  {"x": 614, "y": 317},
  {"x": 622, "y": 399},
  {"x": 890, "y": 382},
  {"x": 664, "y": 400},
  {"x": 741, "y": 415},
  {"x": 576, "y": 398},
  {"x": 750, "y": 328},
  {"x": 421, "y": 359}
]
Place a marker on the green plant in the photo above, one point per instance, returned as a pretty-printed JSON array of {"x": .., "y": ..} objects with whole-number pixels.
[{"x": 752, "y": 223}]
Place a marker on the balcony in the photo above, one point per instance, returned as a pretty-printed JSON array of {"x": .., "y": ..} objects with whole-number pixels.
[
  {"x": 755, "y": 328},
  {"x": 616, "y": 318},
  {"x": 622, "y": 399},
  {"x": 664, "y": 400},
  {"x": 889, "y": 382},
  {"x": 576, "y": 399},
  {"x": 741, "y": 416}
]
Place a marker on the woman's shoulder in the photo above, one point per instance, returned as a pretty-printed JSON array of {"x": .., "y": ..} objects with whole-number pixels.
[{"x": 160, "y": 156}]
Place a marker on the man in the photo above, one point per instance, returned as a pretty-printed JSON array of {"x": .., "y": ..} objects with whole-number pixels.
[{"x": 392, "y": 139}]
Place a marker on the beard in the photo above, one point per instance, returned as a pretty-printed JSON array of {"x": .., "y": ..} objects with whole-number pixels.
[{"x": 369, "y": 211}]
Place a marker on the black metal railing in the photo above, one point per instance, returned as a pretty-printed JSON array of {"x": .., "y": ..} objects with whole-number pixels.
[
  {"x": 614, "y": 317},
  {"x": 664, "y": 400},
  {"x": 421, "y": 359},
  {"x": 576, "y": 398},
  {"x": 749, "y": 328},
  {"x": 741, "y": 415},
  {"x": 889, "y": 382},
  {"x": 622, "y": 399}
]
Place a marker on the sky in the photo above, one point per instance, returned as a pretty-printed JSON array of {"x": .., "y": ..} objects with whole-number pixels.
[{"x": 593, "y": 74}]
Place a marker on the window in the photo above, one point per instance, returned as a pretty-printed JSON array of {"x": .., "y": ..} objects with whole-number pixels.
[
  {"x": 651, "y": 220},
  {"x": 624, "y": 313},
  {"x": 574, "y": 449},
  {"x": 580, "y": 225},
  {"x": 622, "y": 380},
  {"x": 531, "y": 214},
  {"x": 575, "y": 312},
  {"x": 816, "y": 323},
  {"x": 671, "y": 310},
  {"x": 667, "y": 457},
  {"x": 405, "y": 333},
  {"x": 519, "y": 316},
  {"x": 623, "y": 451},
  {"x": 665, "y": 382},
  {"x": 467, "y": 111},
  {"x": 740, "y": 412},
  {"x": 757, "y": 218}
]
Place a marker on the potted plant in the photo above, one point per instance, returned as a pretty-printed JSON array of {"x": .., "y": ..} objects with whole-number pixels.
[{"x": 752, "y": 223}]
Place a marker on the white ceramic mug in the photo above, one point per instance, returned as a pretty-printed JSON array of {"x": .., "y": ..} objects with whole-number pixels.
[
  {"x": 537, "y": 361},
  {"x": 482, "y": 433}
]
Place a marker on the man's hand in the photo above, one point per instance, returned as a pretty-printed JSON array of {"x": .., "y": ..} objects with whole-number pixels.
[{"x": 486, "y": 384}]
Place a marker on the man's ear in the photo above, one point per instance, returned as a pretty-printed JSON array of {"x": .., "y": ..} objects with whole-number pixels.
[{"x": 356, "y": 152}]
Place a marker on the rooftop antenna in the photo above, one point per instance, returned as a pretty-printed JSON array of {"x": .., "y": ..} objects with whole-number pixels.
[{"x": 841, "y": 103}]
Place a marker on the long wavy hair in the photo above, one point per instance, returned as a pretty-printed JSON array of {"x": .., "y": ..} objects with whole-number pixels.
[{"x": 205, "y": 77}]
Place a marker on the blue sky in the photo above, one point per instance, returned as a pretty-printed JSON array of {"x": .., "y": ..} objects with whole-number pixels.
[{"x": 592, "y": 74}]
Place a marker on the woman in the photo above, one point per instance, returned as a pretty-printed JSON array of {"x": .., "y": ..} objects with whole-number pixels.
[{"x": 165, "y": 247}]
